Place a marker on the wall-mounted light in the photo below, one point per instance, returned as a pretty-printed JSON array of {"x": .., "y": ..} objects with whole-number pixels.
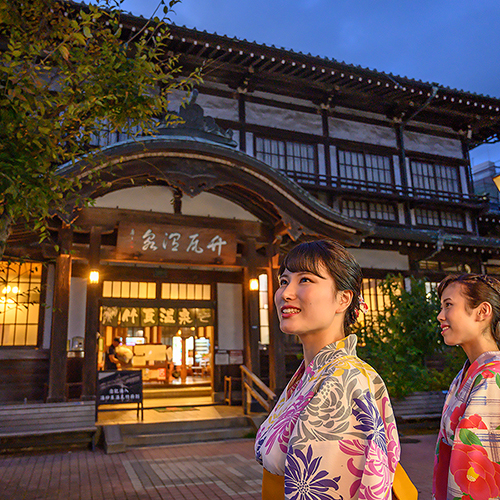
[
  {"x": 94, "y": 276},
  {"x": 253, "y": 284}
]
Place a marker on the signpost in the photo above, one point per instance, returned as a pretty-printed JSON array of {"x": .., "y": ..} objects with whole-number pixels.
[{"x": 120, "y": 387}]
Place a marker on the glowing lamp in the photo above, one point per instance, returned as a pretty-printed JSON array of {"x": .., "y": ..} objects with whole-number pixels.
[
  {"x": 94, "y": 277},
  {"x": 254, "y": 284}
]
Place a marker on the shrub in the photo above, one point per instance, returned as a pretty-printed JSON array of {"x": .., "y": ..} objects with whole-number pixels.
[{"x": 400, "y": 340}]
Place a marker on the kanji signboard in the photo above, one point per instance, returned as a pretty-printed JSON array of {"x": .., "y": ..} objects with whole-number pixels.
[{"x": 155, "y": 242}]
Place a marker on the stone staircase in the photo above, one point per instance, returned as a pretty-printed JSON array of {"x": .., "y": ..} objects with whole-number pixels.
[{"x": 119, "y": 438}]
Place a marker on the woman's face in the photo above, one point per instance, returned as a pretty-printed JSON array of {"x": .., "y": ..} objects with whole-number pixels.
[
  {"x": 459, "y": 326},
  {"x": 309, "y": 304}
]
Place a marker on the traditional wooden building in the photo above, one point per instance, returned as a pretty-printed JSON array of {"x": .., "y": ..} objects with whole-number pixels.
[{"x": 188, "y": 226}]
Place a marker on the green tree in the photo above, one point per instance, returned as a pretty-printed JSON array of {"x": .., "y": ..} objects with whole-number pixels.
[
  {"x": 400, "y": 341},
  {"x": 69, "y": 72}
]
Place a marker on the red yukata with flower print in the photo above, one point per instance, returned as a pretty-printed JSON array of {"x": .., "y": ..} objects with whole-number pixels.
[
  {"x": 467, "y": 463},
  {"x": 332, "y": 434}
]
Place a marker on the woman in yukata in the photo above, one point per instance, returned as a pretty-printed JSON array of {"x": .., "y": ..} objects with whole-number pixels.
[
  {"x": 468, "y": 446},
  {"x": 332, "y": 434}
]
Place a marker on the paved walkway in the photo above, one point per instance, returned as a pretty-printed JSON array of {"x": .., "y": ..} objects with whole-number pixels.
[{"x": 214, "y": 471}]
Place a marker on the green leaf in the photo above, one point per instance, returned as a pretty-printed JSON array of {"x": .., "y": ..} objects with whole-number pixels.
[
  {"x": 64, "y": 52},
  {"x": 497, "y": 379},
  {"x": 468, "y": 437}
]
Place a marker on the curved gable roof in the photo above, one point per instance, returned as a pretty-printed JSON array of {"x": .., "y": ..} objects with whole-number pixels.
[{"x": 193, "y": 165}]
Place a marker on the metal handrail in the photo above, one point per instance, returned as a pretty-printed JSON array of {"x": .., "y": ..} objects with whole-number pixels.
[{"x": 248, "y": 379}]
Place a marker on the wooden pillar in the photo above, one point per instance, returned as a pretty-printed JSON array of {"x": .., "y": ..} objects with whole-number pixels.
[
  {"x": 400, "y": 140},
  {"x": 242, "y": 120},
  {"x": 184, "y": 362},
  {"x": 92, "y": 320},
  {"x": 60, "y": 317},
  {"x": 251, "y": 333},
  {"x": 277, "y": 366}
]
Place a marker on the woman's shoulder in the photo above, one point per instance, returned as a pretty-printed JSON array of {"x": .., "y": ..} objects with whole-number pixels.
[{"x": 349, "y": 366}]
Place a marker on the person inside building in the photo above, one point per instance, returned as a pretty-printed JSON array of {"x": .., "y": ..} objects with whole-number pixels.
[
  {"x": 111, "y": 362},
  {"x": 468, "y": 446},
  {"x": 332, "y": 434}
]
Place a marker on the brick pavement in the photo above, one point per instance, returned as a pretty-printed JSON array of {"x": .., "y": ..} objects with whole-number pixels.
[{"x": 214, "y": 471}]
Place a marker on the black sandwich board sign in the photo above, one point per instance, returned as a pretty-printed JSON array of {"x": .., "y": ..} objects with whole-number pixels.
[{"x": 120, "y": 387}]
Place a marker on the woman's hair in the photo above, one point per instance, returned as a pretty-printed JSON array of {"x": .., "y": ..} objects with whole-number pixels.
[
  {"x": 340, "y": 264},
  {"x": 476, "y": 289}
]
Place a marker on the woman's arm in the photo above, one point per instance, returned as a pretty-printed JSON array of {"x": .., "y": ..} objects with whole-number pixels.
[{"x": 474, "y": 468}]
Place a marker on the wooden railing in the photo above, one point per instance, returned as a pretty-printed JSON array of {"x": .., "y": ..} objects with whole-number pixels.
[{"x": 253, "y": 387}]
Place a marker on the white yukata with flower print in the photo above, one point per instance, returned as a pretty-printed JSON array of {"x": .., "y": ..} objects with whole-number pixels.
[{"x": 332, "y": 434}]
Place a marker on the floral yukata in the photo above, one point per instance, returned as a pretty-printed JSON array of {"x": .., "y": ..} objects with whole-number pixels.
[
  {"x": 468, "y": 446},
  {"x": 332, "y": 434}
]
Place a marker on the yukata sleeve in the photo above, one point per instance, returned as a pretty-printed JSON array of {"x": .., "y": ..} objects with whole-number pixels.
[
  {"x": 345, "y": 444},
  {"x": 475, "y": 455}
]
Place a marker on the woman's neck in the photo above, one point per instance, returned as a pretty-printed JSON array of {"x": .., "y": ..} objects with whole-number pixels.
[
  {"x": 313, "y": 343},
  {"x": 478, "y": 347}
]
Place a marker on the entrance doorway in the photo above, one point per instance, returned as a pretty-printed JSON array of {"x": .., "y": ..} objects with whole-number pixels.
[{"x": 166, "y": 330}]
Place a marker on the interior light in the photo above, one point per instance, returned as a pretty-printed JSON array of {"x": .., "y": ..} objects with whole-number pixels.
[
  {"x": 15, "y": 289},
  {"x": 254, "y": 284},
  {"x": 94, "y": 276}
]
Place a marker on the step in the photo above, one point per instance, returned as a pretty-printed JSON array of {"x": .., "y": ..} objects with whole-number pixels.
[
  {"x": 197, "y": 436},
  {"x": 177, "y": 392},
  {"x": 137, "y": 435},
  {"x": 184, "y": 425}
]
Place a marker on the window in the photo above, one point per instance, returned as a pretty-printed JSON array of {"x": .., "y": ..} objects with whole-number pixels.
[
  {"x": 436, "y": 178},
  {"x": 373, "y": 297},
  {"x": 290, "y": 157},
  {"x": 371, "y": 170},
  {"x": 147, "y": 290},
  {"x": 369, "y": 210},
  {"x": 129, "y": 289},
  {"x": 439, "y": 218},
  {"x": 263, "y": 310},
  {"x": 185, "y": 291},
  {"x": 20, "y": 286}
]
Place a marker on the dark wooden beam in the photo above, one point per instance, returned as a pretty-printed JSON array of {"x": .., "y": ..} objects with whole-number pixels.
[
  {"x": 60, "y": 317},
  {"x": 92, "y": 320},
  {"x": 277, "y": 365},
  {"x": 251, "y": 334}
]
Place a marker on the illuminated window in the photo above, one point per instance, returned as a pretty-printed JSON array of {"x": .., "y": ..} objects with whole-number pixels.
[
  {"x": 263, "y": 309},
  {"x": 19, "y": 303},
  {"x": 185, "y": 291},
  {"x": 129, "y": 289}
]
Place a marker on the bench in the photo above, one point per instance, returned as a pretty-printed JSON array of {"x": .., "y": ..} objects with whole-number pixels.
[
  {"x": 419, "y": 406},
  {"x": 47, "y": 425}
]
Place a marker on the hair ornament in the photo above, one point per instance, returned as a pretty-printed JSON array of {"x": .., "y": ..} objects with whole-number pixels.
[{"x": 363, "y": 306}]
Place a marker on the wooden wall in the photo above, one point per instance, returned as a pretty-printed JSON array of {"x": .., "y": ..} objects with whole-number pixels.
[{"x": 23, "y": 377}]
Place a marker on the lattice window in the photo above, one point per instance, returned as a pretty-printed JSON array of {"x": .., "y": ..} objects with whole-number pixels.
[
  {"x": 369, "y": 210},
  {"x": 288, "y": 156},
  {"x": 364, "y": 168},
  {"x": 129, "y": 289},
  {"x": 20, "y": 286},
  {"x": 439, "y": 218},
  {"x": 428, "y": 177}
]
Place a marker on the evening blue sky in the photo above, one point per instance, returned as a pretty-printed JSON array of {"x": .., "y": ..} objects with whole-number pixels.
[{"x": 455, "y": 43}]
